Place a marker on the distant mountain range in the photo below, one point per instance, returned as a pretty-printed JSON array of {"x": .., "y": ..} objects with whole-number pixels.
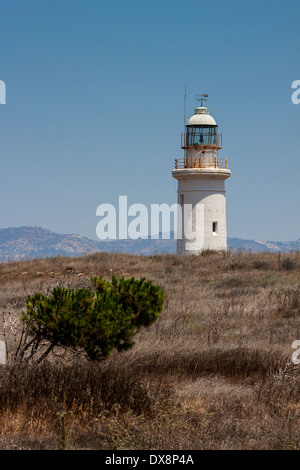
[{"x": 35, "y": 242}]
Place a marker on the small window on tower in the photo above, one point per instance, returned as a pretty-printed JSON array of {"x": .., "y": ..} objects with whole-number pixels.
[{"x": 215, "y": 228}]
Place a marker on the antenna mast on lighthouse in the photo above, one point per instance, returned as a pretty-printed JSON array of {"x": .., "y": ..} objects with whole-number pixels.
[{"x": 184, "y": 106}]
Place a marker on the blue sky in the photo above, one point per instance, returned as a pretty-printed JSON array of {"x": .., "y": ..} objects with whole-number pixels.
[{"x": 95, "y": 102}]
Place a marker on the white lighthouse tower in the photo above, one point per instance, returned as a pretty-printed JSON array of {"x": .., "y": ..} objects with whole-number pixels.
[{"x": 201, "y": 176}]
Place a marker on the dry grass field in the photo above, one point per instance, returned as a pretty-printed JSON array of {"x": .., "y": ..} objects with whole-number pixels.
[{"x": 214, "y": 372}]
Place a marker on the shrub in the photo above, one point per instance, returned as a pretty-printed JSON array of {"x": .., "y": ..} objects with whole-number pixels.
[{"x": 93, "y": 321}]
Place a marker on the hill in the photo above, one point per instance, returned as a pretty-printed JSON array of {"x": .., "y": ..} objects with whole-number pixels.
[{"x": 19, "y": 243}]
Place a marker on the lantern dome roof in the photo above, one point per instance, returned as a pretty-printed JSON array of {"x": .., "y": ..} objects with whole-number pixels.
[{"x": 201, "y": 117}]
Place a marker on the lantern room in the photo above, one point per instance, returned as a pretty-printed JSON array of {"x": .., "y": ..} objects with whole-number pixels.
[{"x": 201, "y": 131}]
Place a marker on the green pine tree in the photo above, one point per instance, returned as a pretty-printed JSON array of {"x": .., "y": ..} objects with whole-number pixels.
[{"x": 95, "y": 321}]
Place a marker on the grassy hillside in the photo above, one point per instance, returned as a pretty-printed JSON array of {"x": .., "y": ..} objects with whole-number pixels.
[{"x": 213, "y": 372}]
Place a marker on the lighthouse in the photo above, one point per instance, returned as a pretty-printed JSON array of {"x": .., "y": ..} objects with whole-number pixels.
[{"x": 201, "y": 175}]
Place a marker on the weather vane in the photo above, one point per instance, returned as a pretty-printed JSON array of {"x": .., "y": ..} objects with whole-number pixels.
[{"x": 202, "y": 98}]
